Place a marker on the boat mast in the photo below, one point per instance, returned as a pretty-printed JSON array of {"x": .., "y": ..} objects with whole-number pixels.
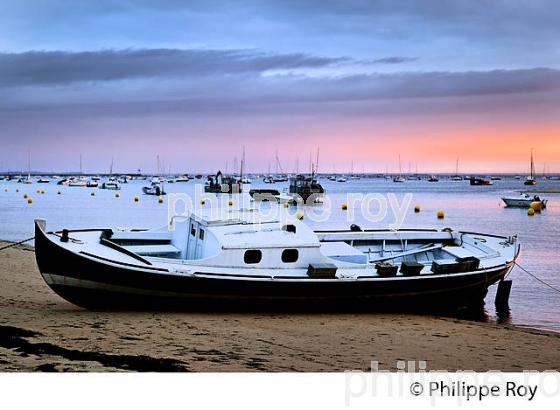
[
  {"x": 532, "y": 165},
  {"x": 316, "y": 170}
]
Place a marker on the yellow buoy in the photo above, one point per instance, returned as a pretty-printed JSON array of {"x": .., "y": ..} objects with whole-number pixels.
[
  {"x": 25, "y": 196},
  {"x": 286, "y": 205},
  {"x": 117, "y": 195},
  {"x": 17, "y": 190},
  {"x": 160, "y": 200},
  {"x": 38, "y": 191},
  {"x": 344, "y": 207},
  {"x": 202, "y": 201},
  {"x": 42, "y": 191},
  {"x": 530, "y": 212},
  {"x": 29, "y": 200},
  {"x": 136, "y": 199},
  {"x": 92, "y": 193},
  {"x": 6, "y": 190},
  {"x": 230, "y": 202},
  {"x": 440, "y": 214},
  {"x": 536, "y": 206},
  {"x": 299, "y": 215},
  {"x": 417, "y": 208}
]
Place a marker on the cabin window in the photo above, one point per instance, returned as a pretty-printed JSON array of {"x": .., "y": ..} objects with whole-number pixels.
[
  {"x": 290, "y": 255},
  {"x": 252, "y": 256},
  {"x": 193, "y": 230},
  {"x": 201, "y": 234}
]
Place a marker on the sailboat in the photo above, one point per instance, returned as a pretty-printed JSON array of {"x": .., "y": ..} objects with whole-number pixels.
[
  {"x": 531, "y": 179},
  {"x": 457, "y": 177},
  {"x": 28, "y": 180},
  {"x": 400, "y": 178},
  {"x": 112, "y": 183}
]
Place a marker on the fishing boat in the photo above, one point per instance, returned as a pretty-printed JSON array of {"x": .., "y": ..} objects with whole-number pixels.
[
  {"x": 531, "y": 180},
  {"x": 244, "y": 256},
  {"x": 223, "y": 184},
  {"x": 306, "y": 189},
  {"x": 433, "y": 178},
  {"x": 523, "y": 201}
]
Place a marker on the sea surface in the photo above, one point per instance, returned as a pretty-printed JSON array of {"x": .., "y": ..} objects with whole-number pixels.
[{"x": 470, "y": 208}]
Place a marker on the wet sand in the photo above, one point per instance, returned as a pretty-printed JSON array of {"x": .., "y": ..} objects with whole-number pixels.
[{"x": 41, "y": 332}]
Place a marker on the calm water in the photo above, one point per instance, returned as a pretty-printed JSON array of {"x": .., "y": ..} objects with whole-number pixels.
[{"x": 466, "y": 208}]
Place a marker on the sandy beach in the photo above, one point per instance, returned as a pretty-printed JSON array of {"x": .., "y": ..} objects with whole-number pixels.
[{"x": 41, "y": 332}]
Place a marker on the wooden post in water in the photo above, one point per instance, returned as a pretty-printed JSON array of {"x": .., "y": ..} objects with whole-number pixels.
[{"x": 502, "y": 295}]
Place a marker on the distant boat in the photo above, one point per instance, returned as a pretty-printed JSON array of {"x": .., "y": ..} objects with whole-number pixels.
[
  {"x": 457, "y": 177},
  {"x": 92, "y": 184},
  {"x": 111, "y": 185},
  {"x": 496, "y": 178},
  {"x": 531, "y": 179},
  {"x": 400, "y": 178},
  {"x": 43, "y": 181},
  {"x": 28, "y": 180},
  {"x": 433, "y": 178},
  {"x": 154, "y": 189},
  {"x": 523, "y": 201},
  {"x": 78, "y": 182},
  {"x": 481, "y": 181},
  {"x": 341, "y": 179},
  {"x": 268, "y": 180},
  {"x": 182, "y": 178},
  {"x": 332, "y": 178},
  {"x": 223, "y": 184}
]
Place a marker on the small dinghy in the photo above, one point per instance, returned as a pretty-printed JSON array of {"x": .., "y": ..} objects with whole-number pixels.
[{"x": 243, "y": 257}]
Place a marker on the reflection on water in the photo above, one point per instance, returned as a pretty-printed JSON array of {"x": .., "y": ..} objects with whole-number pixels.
[{"x": 466, "y": 208}]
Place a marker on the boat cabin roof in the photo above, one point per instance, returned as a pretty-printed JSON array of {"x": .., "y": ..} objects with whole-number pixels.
[{"x": 249, "y": 228}]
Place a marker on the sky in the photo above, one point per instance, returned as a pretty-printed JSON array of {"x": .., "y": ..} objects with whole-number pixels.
[{"x": 194, "y": 82}]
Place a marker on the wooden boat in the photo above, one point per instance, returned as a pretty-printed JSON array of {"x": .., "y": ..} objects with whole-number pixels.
[{"x": 245, "y": 258}]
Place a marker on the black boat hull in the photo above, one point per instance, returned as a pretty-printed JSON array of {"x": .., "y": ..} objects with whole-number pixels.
[{"x": 91, "y": 282}]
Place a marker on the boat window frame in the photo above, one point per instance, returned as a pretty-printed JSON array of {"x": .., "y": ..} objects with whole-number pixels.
[
  {"x": 254, "y": 261},
  {"x": 288, "y": 251},
  {"x": 201, "y": 234},
  {"x": 193, "y": 230}
]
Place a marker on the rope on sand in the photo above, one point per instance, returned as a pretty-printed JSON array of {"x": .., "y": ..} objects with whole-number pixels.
[
  {"x": 17, "y": 243},
  {"x": 537, "y": 278}
]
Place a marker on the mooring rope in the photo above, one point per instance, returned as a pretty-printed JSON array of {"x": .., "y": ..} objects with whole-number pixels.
[
  {"x": 17, "y": 243},
  {"x": 537, "y": 278}
]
